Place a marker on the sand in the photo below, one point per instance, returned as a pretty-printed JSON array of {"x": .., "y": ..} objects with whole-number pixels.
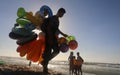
[{"x": 8, "y": 69}]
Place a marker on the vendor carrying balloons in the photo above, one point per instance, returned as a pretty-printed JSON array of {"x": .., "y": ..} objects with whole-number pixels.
[{"x": 50, "y": 29}]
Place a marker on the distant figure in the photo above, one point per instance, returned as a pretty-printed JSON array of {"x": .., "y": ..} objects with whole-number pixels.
[
  {"x": 79, "y": 63},
  {"x": 70, "y": 59},
  {"x": 30, "y": 62},
  {"x": 50, "y": 27}
]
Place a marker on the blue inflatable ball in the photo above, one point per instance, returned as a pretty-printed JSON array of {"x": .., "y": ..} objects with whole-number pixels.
[
  {"x": 30, "y": 26},
  {"x": 22, "y": 31},
  {"x": 42, "y": 9},
  {"x": 64, "y": 47}
]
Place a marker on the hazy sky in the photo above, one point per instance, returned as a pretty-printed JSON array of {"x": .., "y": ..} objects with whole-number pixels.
[{"x": 94, "y": 23}]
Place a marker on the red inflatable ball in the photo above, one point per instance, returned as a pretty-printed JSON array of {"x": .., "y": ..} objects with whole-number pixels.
[
  {"x": 64, "y": 47},
  {"x": 73, "y": 44}
]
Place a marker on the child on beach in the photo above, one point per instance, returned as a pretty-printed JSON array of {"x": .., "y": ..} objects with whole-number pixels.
[{"x": 75, "y": 66}]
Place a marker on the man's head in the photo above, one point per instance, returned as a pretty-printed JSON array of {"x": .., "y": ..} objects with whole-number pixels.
[
  {"x": 61, "y": 12},
  {"x": 71, "y": 53},
  {"x": 78, "y": 53}
]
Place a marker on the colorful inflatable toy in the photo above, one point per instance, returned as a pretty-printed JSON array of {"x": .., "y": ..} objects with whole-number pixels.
[
  {"x": 64, "y": 47},
  {"x": 37, "y": 21},
  {"x": 62, "y": 40},
  {"x": 30, "y": 44},
  {"x": 21, "y": 12},
  {"x": 22, "y": 22},
  {"x": 73, "y": 44},
  {"x": 69, "y": 38},
  {"x": 43, "y": 8}
]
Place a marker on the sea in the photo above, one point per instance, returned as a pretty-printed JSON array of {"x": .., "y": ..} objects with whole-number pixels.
[{"x": 88, "y": 68}]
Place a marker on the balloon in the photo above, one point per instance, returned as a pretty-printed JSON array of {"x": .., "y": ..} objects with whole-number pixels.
[
  {"x": 21, "y": 12},
  {"x": 12, "y": 35},
  {"x": 69, "y": 38},
  {"x": 25, "y": 40},
  {"x": 34, "y": 20},
  {"x": 43, "y": 8},
  {"x": 73, "y": 44},
  {"x": 31, "y": 13},
  {"x": 22, "y": 31},
  {"x": 30, "y": 27},
  {"x": 62, "y": 40},
  {"x": 33, "y": 50},
  {"x": 64, "y": 47},
  {"x": 22, "y": 22}
]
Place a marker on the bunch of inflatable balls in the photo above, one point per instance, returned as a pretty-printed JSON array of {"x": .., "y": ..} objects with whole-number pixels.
[{"x": 66, "y": 43}]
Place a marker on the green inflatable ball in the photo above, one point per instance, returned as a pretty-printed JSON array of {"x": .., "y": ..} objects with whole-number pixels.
[
  {"x": 22, "y": 22},
  {"x": 69, "y": 38},
  {"x": 21, "y": 12}
]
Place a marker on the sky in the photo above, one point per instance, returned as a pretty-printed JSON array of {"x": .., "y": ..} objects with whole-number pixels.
[{"x": 94, "y": 23}]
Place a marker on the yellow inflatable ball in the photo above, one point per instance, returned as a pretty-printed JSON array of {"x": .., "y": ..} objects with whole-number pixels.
[{"x": 33, "y": 19}]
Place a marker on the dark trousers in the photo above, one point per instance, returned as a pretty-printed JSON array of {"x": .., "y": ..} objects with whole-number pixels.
[{"x": 51, "y": 50}]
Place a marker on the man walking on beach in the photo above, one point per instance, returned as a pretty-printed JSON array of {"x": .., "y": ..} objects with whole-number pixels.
[{"x": 50, "y": 27}]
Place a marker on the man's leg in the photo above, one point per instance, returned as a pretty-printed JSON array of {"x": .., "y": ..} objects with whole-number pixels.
[
  {"x": 69, "y": 69},
  {"x": 80, "y": 69},
  {"x": 55, "y": 51},
  {"x": 46, "y": 55}
]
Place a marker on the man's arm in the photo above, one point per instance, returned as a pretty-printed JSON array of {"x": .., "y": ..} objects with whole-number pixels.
[
  {"x": 65, "y": 35},
  {"x": 82, "y": 59}
]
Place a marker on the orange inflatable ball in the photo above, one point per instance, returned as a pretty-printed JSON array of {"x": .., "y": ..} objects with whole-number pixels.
[
  {"x": 73, "y": 44},
  {"x": 62, "y": 40}
]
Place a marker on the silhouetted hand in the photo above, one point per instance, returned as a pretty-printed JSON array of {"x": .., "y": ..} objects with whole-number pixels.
[{"x": 65, "y": 35}]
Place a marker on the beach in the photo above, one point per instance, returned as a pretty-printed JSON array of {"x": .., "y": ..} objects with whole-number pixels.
[
  {"x": 20, "y": 66},
  {"x": 23, "y": 70}
]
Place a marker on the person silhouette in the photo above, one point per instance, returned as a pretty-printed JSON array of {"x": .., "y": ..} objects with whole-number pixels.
[
  {"x": 50, "y": 27},
  {"x": 70, "y": 59},
  {"x": 80, "y": 62}
]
